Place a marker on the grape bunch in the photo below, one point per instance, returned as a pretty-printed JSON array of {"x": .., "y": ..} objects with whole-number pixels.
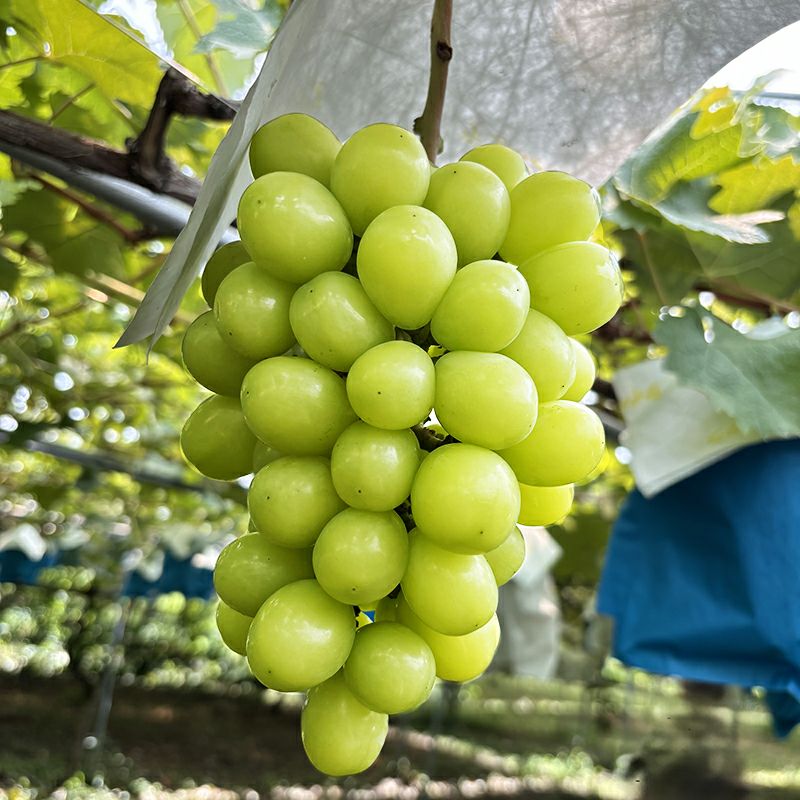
[{"x": 389, "y": 350}]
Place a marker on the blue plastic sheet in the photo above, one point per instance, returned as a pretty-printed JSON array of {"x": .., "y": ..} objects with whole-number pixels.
[
  {"x": 16, "y": 567},
  {"x": 177, "y": 575},
  {"x": 703, "y": 580}
]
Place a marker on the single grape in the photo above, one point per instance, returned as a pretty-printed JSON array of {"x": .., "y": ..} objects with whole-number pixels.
[
  {"x": 263, "y": 454},
  {"x": 578, "y": 285},
  {"x": 296, "y": 406},
  {"x": 565, "y": 446},
  {"x": 546, "y": 354},
  {"x": 453, "y": 593},
  {"x": 374, "y": 468},
  {"x": 233, "y": 627},
  {"x": 390, "y": 668},
  {"x": 252, "y": 312},
  {"x": 379, "y": 167},
  {"x": 585, "y": 372},
  {"x": 223, "y": 261},
  {"x": 506, "y": 163},
  {"x": 210, "y": 360},
  {"x": 341, "y": 736},
  {"x": 293, "y": 227},
  {"x": 292, "y": 498},
  {"x": 465, "y": 498},
  {"x": 335, "y": 322},
  {"x": 386, "y": 610},
  {"x": 484, "y": 308},
  {"x": 294, "y": 143},
  {"x": 392, "y": 385},
  {"x": 484, "y": 399},
  {"x": 458, "y": 658},
  {"x": 299, "y": 637},
  {"x": 473, "y": 202},
  {"x": 216, "y": 440},
  {"x": 549, "y": 208},
  {"x": 406, "y": 261},
  {"x": 507, "y": 559},
  {"x": 544, "y": 505},
  {"x": 250, "y": 569},
  {"x": 361, "y": 555}
]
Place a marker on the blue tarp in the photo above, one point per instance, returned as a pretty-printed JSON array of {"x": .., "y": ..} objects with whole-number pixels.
[
  {"x": 703, "y": 580},
  {"x": 177, "y": 575}
]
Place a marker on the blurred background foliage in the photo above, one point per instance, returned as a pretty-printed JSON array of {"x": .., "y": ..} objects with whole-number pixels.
[{"x": 705, "y": 215}]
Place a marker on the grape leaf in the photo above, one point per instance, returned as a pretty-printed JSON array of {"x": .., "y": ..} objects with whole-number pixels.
[
  {"x": 755, "y": 184},
  {"x": 73, "y": 241},
  {"x": 74, "y": 35},
  {"x": 675, "y": 154},
  {"x": 687, "y": 206},
  {"x": 242, "y": 30},
  {"x": 753, "y": 380}
]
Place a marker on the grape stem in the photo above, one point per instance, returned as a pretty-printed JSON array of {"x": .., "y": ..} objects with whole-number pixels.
[
  {"x": 428, "y": 125},
  {"x": 430, "y": 439}
]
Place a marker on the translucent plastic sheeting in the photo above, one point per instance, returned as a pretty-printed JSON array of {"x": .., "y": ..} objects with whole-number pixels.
[{"x": 572, "y": 84}]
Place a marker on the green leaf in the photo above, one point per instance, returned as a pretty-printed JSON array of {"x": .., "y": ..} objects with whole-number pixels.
[
  {"x": 242, "y": 30},
  {"x": 687, "y": 207},
  {"x": 674, "y": 155},
  {"x": 73, "y": 241},
  {"x": 753, "y": 380},
  {"x": 74, "y": 35},
  {"x": 755, "y": 185}
]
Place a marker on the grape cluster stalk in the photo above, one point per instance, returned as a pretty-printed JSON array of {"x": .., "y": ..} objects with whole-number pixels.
[{"x": 376, "y": 302}]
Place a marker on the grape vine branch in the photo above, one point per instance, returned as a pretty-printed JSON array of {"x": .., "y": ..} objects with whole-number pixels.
[{"x": 429, "y": 124}]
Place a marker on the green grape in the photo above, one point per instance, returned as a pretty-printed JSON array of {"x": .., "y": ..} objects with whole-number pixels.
[
  {"x": 222, "y": 262},
  {"x": 294, "y": 143},
  {"x": 335, "y": 322},
  {"x": 473, "y": 202},
  {"x": 263, "y": 454},
  {"x": 293, "y": 227},
  {"x": 296, "y": 406},
  {"x": 250, "y": 569},
  {"x": 390, "y": 668},
  {"x": 484, "y": 308},
  {"x": 406, "y": 261},
  {"x": 379, "y": 167},
  {"x": 292, "y": 499},
  {"x": 210, "y": 361},
  {"x": 386, "y": 610},
  {"x": 299, "y": 637},
  {"x": 484, "y": 399},
  {"x": 216, "y": 440},
  {"x": 465, "y": 498},
  {"x": 361, "y": 555},
  {"x": 585, "y": 372},
  {"x": 565, "y": 446},
  {"x": 544, "y": 505},
  {"x": 374, "y": 468},
  {"x": 453, "y": 593},
  {"x": 506, "y": 163},
  {"x": 549, "y": 208},
  {"x": 392, "y": 385},
  {"x": 341, "y": 736},
  {"x": 458, "y": 658},
  {"x": 252, "y": 312},
  {"x": 507, "y": 559},
  {"x": 233, "y": 627},
  {"x": 578, "y": 285},
  {"x": 546, "y": 354}
]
